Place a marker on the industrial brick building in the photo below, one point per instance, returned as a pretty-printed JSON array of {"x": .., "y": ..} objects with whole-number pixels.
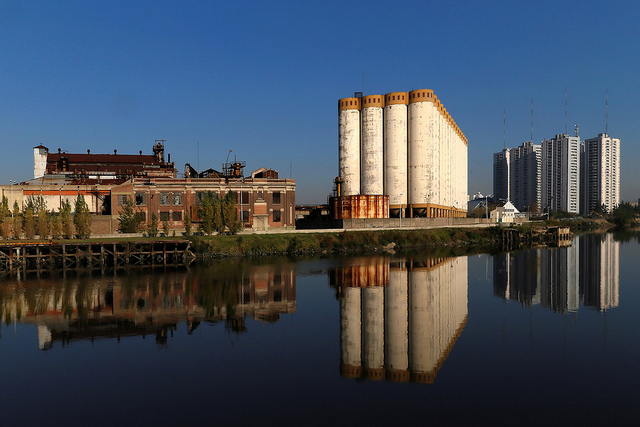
[{"x": 107, "y": 180}]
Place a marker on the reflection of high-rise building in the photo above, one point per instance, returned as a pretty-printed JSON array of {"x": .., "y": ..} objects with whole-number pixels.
[
  {"x": 599, "y": 278},
  {"x": 545, "y": 276},
  {"x": 516, "y": 276},
  {"x": 402, "y": 328},
  {"x": 560, "y": 278}
]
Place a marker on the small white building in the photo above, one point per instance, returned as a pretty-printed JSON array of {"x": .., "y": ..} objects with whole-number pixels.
[{"x": 504, "y": 213}]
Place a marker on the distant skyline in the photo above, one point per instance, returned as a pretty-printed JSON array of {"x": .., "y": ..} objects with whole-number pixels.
[{"x": 263, "y": 79}]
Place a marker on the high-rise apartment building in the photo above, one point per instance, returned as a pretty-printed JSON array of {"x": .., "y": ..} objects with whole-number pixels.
[
  {"x": 561, "y": 174},
  {"x": 601, "y": 173},
  {"x": 501, "y": 163},
  {"x": 516, "y": 176},
  {"x": 526, "y": 169}
]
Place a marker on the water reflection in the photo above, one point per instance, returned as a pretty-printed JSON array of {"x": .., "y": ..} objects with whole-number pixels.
[
  {"x": 559, "y": 279},
  {"x": 399, "y": 319},
  {"x": 136, "y": 304}
]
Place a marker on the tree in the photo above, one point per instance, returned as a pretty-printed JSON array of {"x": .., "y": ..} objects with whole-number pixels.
[
  {"x": 152, "y": 227},
  {"x": 16, "y": 225},
  {"x": 82, "y": 218},
  {"x": 54, "y": 225},
  {"x": 165, "y": 228},
  {"x": 29, "y": 223},
  {"x": 35, "y": 203},
  {"x": 65, "y": 219},
  {"x": 623, "y": 215},
  {"x": 130, "y": 219},
  {"x": 43, "y": 223},
  {"x": 207, "y": 213},
  {"x": 218, "y": 218},
  {"x": 187, "y": 224},
  {"x": 230, "y": 214},
  {"x": 5, "y": 218}
]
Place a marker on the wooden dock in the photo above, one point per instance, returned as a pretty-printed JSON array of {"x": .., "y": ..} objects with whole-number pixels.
[{"x": 27, "y": 257}]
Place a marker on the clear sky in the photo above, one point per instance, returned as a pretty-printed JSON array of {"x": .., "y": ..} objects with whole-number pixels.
[{"x": 263, "y": 78}]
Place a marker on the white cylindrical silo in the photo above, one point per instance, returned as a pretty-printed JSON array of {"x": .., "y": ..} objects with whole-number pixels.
[
  {"x": 395, "y": 149},
  {"x": 423, "y": 155},
  {"x": 371, "y": 149},
  {"x": 349, "y": 145},
  {"x": 396, "y": 330}
]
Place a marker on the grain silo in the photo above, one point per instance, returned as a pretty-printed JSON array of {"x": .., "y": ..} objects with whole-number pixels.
[
  {"x": 395, "y": 150},
  {"x": 371, "y": 149},
  {"x": 423, "y": 150},
  {"x": 400, "y": 150},
  {"x": 349, "y": 145}
]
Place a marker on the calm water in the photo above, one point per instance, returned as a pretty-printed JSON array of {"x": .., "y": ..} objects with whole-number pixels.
[{"x": 548, "y": 335}]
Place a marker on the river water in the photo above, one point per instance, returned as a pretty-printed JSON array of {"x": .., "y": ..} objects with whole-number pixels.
[{"x": 545, "y": 335}]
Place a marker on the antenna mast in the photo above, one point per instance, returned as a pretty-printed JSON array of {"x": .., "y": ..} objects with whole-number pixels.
[
  {"x": 531, "y": 119},
  {"x": 504, "y": 127},
  {"x": 566, "y": 108},
  {"x": 606, "y": 113}
]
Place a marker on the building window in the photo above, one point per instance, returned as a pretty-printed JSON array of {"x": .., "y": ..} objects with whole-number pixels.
[
  {"x": 276, "y": 197},
  {"x": 165, "y": 199},
  {"x": 276, "y": 216},
  {"x": 176, "y": 216},
  {"x": 141, "y": 199},
  {"x": 122, "y": 199},
  {"x": 199, "y": 195},
  {"x": 177, "y": 199},
  {"x": 164, "y": 216}
]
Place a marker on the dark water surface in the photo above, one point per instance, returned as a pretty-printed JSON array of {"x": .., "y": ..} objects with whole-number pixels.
[{"x": 540, "y": 336}]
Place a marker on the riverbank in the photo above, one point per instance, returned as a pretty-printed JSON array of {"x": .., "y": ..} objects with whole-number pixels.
[
  {"x": 454, "y": 240},
  {"x": 441, "y": 241}
]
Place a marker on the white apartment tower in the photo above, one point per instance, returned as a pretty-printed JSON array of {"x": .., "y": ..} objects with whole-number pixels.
[
  {"x": 601, "y": 178},
  {"x": 561, "y": 173}
]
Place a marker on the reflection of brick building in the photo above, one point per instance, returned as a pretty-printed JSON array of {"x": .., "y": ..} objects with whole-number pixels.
[
  {"x": 268, "y": 291},
  {"x": 263, "y": 200},
  {"x": 148, "y": 304}
]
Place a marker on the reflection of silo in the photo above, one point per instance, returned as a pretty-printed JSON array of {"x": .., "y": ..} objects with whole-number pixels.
[
  {"x": 349, "y": 145},
  {"x": 395, "y": 149},
  {"x": 373, "y": 331},
  {"x": 371, "y": 152},
  {"x": 396, "y": 324},
  {"x": 422, "y": 326},
  {"x": 423, "y": 150},
  {"x": 350, "y": 333}
]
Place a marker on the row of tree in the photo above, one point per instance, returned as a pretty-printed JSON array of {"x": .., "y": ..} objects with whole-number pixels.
[
  {"x": 218, "y": 215},
  {"x": 34, "y": 219}
]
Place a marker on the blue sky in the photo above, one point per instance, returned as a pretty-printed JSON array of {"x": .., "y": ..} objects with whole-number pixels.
[{"x": 263, "y": 78}]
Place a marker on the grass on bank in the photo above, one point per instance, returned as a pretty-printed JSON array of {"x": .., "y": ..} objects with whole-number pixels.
[{"x": 340, "y": 242}]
